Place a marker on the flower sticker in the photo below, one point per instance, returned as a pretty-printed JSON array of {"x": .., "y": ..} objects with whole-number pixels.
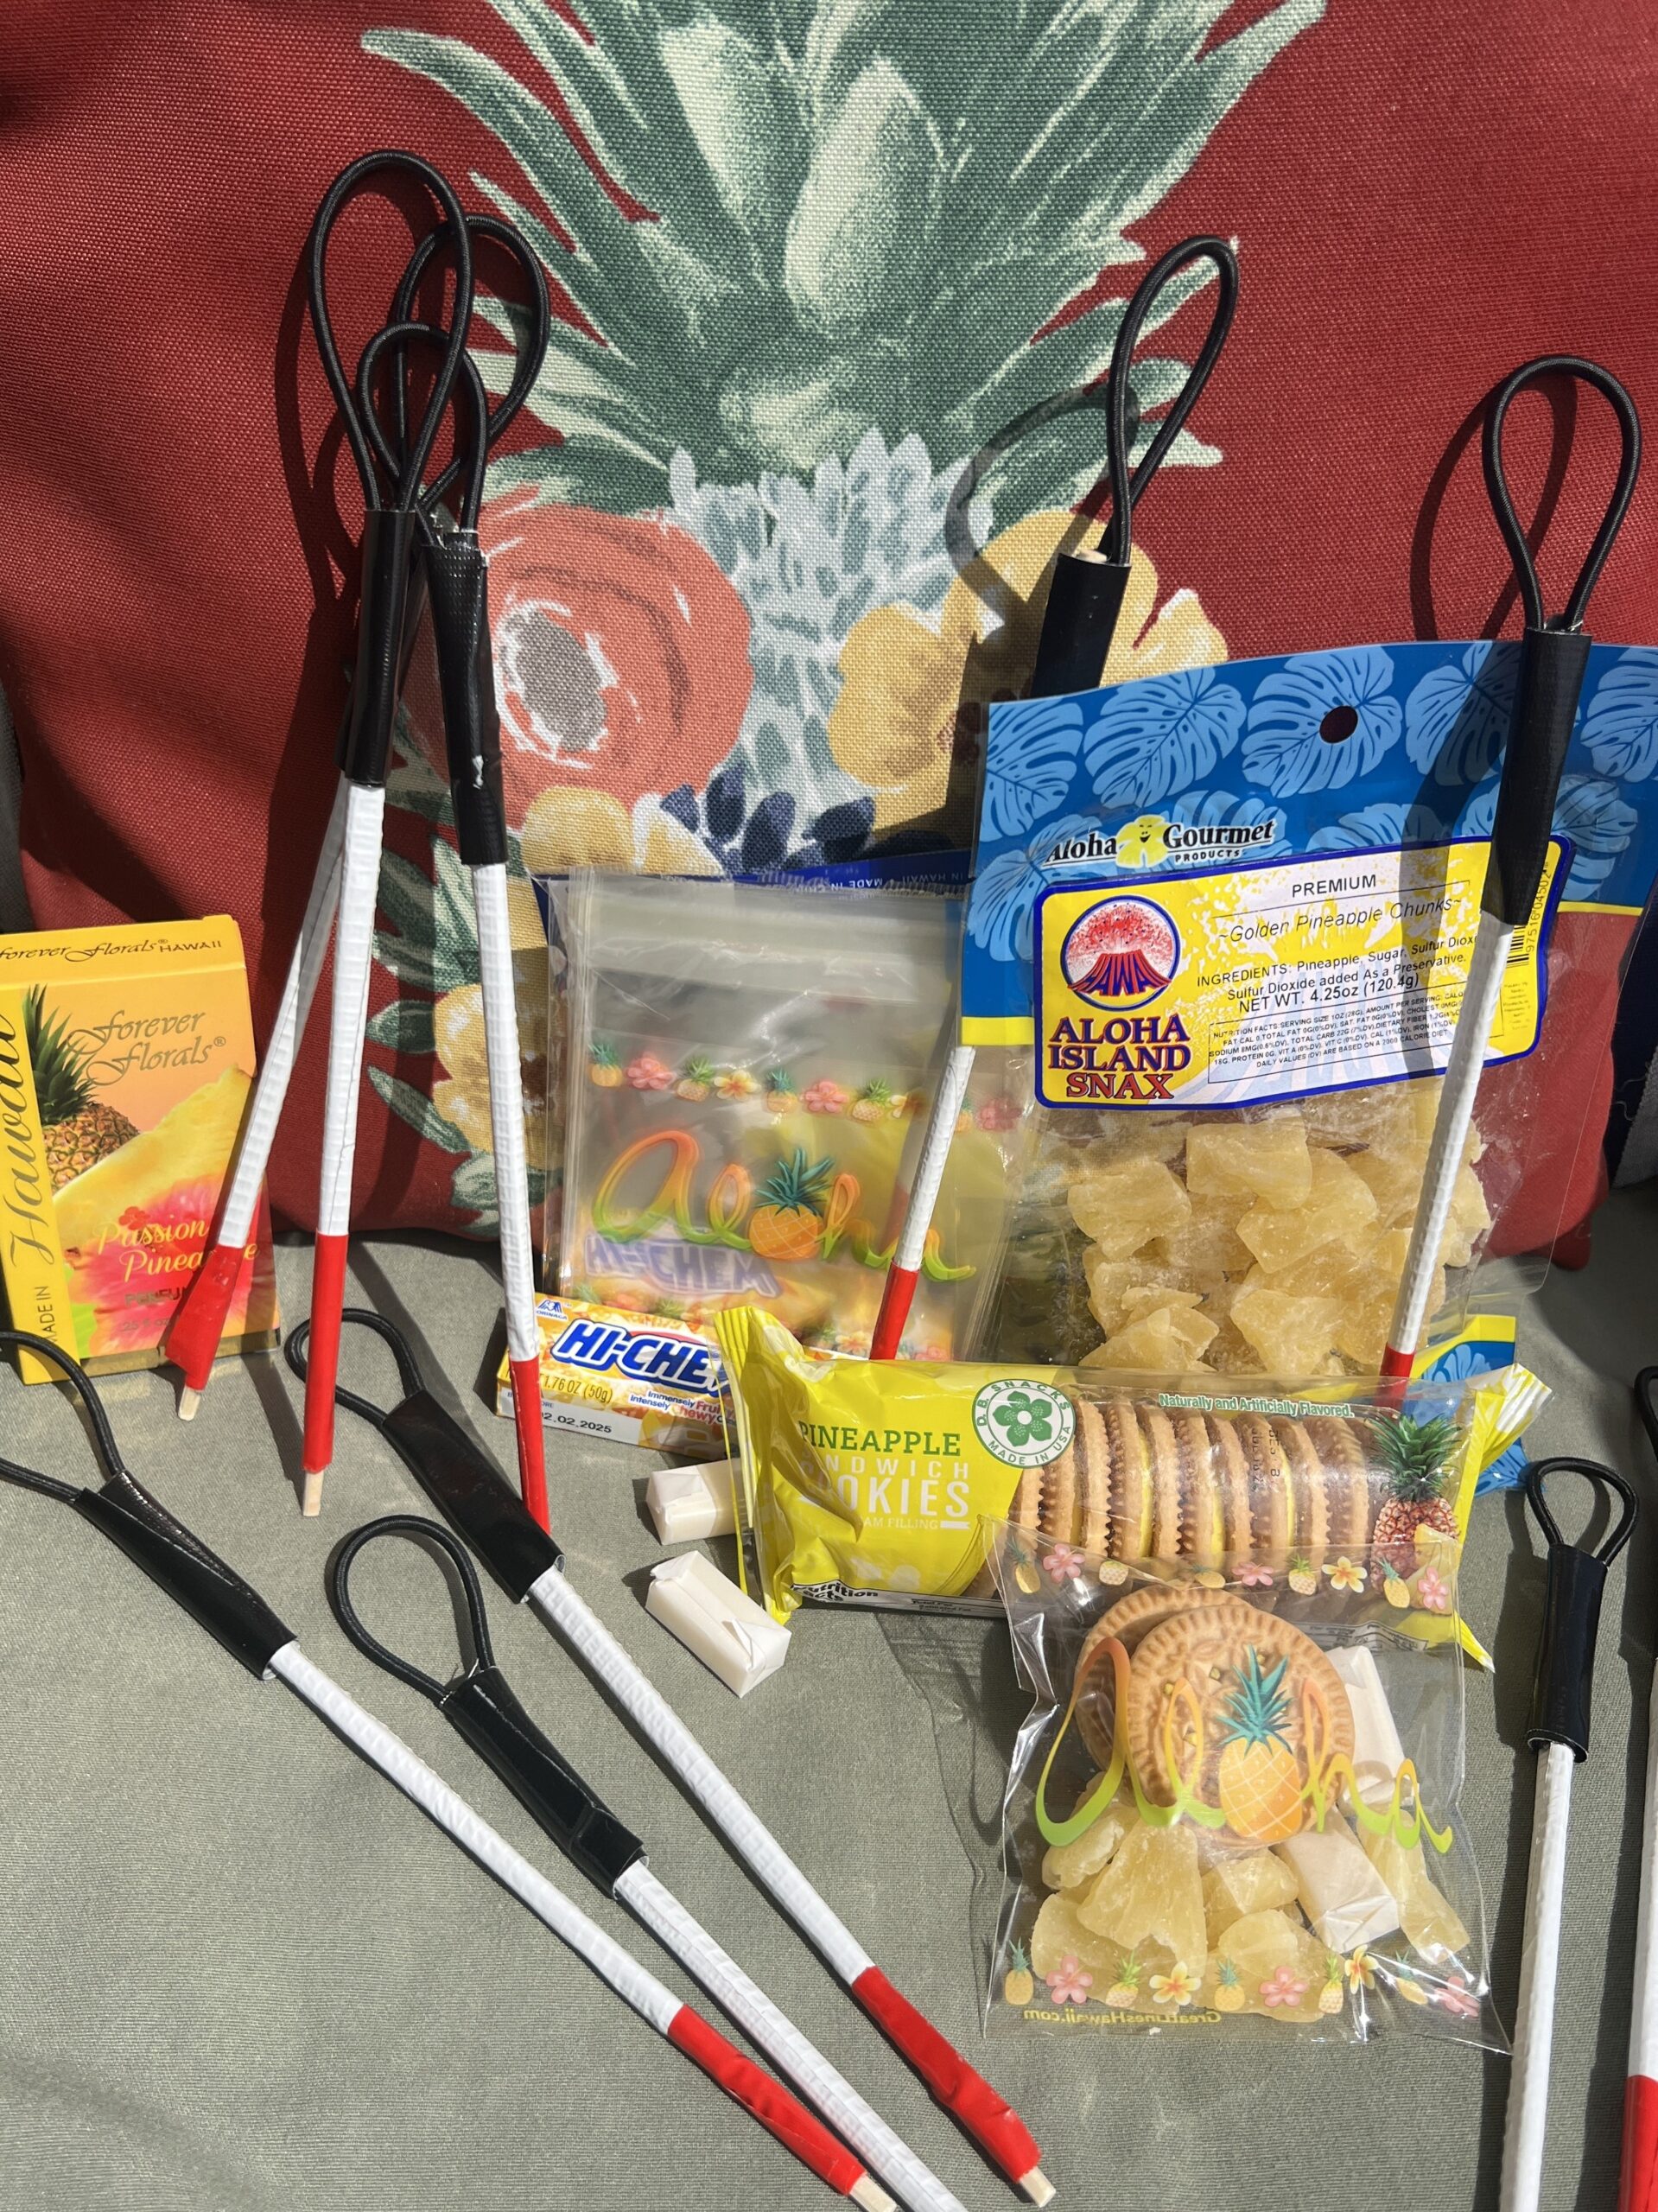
[
  {"x": 648, "y": 1073},
  {"x": 1070, "y": 1982},
  {"x": 1360, "y": 1970},
  {"x": 736, "y": 1082},
  {"x": 1176, "y": 1988},
  {"x": 1249, "y": 1576},
  {"x": 825, "y": 1097},
  {"x": 1345, "y": 1574},
  {"x": 1431, "y": 1594},
  {"x": 1062, "y": 1563},
  {"x": 1283, "y": 1988},
  {"x": 1321, "y": 721},
  {"x": 1459, "y": 1999}
]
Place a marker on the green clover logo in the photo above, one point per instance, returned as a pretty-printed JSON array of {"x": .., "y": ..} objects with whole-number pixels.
[{"x": 1024, "y": 1423}]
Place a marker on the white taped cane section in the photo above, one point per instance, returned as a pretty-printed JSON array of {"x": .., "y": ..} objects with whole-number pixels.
[
  {"x": 1643, "y": 2013},
  {"x": 281, "y": 1048},
  {"x": 506, "y": 1109},
  {"x": 1463, "y": 1071},
  {"x": 1534, "y": 2031},
  {"x": 772, "y": 2032},
  {"x": 474, "y": 1834},
  {"x": 553, "y": 1598},
  {"x": 359, "y": 880},
  {"x": 935, "y": 1157}
]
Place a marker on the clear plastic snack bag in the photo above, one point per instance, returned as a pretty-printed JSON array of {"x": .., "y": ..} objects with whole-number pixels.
[
  {"x": 748, "y": 1073},
  {"x": 1236, "y": 1798}
]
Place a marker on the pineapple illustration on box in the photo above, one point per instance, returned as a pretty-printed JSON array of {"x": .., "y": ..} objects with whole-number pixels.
[
  {"x": 834, "y": 289},
  {"x": 126, "y": 1057}
]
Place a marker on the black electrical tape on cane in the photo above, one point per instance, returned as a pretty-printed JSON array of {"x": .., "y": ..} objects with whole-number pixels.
[
  {"x": 1086, "y": 592},
  {"x": 450, "y": 1463},
  {"x": 479, "y": 1704},
  {"x": 457, "y": 584},
  {"x": 1553, "y": 654},
  {"x": 390, "y": 536},
  {"x": 175, "y": 1559},
  {"x": 1565, "y": 1649}
]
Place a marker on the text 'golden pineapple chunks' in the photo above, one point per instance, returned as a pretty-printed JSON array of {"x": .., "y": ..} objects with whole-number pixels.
[
  {"x": 1150, "y": 1898},
  {"x": 1168, "y": 1340},
  {"x": 1122, "y": 1208},
  {"x": 1110, "y": 1281},
  {"x": 1341, "y": 1205},
  {"x": 1267, "y": 1161},
  {"x": 1292, "y": 1335}
]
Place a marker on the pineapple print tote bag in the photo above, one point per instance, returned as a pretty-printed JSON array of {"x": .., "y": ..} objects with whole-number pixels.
[{"x": 836, "y": 285}]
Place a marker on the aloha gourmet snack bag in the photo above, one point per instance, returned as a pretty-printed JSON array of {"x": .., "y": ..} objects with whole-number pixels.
[{"x": 1233, "y": 908}]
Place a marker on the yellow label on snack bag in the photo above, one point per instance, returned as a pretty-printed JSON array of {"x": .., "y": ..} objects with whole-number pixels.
[{"x": 1240, "y": 986}]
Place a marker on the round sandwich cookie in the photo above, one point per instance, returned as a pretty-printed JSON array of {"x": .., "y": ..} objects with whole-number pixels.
[
  {"x": 1131, "y": 1481},
  {"x": 1249, "y": 1678},
  {"x": 1058, "y": 1520},
  {"x": 1271, "y": 1502},
  {"x": 1231, "y": 1464},
  {"x": 1128, "y": 1620},
  {"x": 1347, "y": 1482},
  {"x": 1203, "y": 1519},
  {"x": 1163, "y": 1457},
  {"x": 1092, "y": 1447},
  {"x": 1025, "y": 1510},
  {"x": 1307, "y": 1493}
]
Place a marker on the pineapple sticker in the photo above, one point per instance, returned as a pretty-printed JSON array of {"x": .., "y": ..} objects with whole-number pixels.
[
  {"x": 77, "y": 1130},
  {"x": 696, "y": 1080},
  {"x": 1019, "y": 1984},
  {"x": 1331, "y": 1997},
  {"x": 1301, "y": 1578},
  {"x": 788, "y": 1223},
  {"x": 1229, "y": 1990},
  {"x": 1415, "y": 1455},
  {"x": 781, "y": 1097},
  {"x": 1259, "y": 1779},
  {"x": 605, "y": 1067},
  {"x": 873, "y": 1101},
  {"x": 1124, "y": 1992}
]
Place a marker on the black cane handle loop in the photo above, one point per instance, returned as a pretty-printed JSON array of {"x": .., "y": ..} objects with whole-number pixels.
[
  {"x": 472, "y": 453},
  {"x": 1116, "y": 539},
  {"x": 1572, "y": 1599},
  {"x": 436, "y": 1538},
  {"x": 346, "y": 186},
  {"x": 1592, "y": 1471},
  {"x": 1496, "y": 483},
  {"x": 409, "y": 1372},
  {"x": 80, "y": 1382}
]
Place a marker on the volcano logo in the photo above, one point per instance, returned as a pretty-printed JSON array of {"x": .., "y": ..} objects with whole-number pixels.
[{"x": 1121, "y": 952}]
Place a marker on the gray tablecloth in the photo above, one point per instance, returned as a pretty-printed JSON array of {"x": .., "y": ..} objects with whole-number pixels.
[{"x": 236, "y": 1972}]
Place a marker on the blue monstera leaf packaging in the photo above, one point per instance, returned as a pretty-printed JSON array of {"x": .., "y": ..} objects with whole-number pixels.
[{"x": 1231, "y": 908}]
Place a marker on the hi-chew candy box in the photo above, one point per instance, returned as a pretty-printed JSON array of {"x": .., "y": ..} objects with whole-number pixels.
[{"x": 637, "y": 1378}]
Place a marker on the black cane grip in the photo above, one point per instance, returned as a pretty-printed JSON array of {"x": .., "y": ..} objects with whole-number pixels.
[
  {"x": 457, "y": 581},
  {"x": 1572, "y": 1596},
  {"x": 194, "y": 1576},
  {"x": 482, "y": 1709},
  {"x": 468, "y": 1488},
  {"x": 1084, "y": 598},
  {"x": 1547, "y": 691},
  {"x": 389, "y": 537}
]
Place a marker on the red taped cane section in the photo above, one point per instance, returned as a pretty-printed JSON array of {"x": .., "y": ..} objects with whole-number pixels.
[
  {"x": 995, "y": 2126},
  {"x": 770, "y": 2102},
  {"x": 322, "y": 1369},
  {"x": 193, "y": 1340},
  {"x": 532, "y": 1446},
  {"x": 1637, "y": 2189},
  {"x": 895, "y": 1302}
]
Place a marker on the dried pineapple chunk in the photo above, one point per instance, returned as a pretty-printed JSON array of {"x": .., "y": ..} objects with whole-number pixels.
[
  {"x": 1255, "y": 1881},
  {"x": 1270, "y": 1957},
  {"x": 1075, "y": 1865},
  {"x": 1150, "y": 1898},
  {"x": 1060, "y": 1935},
  {"x": 1341, "y": 1206},
  {"x": 1267, "y": 1161},
  {"x": 1110, "y": 1281},
  {"x": 1209, "y": 1248},
  {"x": 1292, "y": 1335},
  {"x": 1163, "y": 1342},
  {"x": 1427, "y": 1918},
  {"x": 1121, "y": 1208},
  {"x": 1467, "y": 1221}
]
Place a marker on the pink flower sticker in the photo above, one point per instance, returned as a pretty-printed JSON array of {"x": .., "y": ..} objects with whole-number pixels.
[
  {"x": 1063, "y": 1563},
  {"x": 1069, "y": 1984},
  {"x": 1251, "y": 1577},
  {"x": 1456, "y": 1998},
  {"x": 825, "y": 1097},
  {"x": 1431, "y": 1594},
  {"x": 648, "y": 1073},
  {"x": 1282, "y": 1988}
]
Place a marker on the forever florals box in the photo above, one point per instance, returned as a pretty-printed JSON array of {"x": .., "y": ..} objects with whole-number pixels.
[{"x": 126, "y": 1057}]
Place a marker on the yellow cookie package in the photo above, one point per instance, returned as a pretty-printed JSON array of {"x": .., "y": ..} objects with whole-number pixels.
[
  {"x": 1232, "y": 1807},
  {"x": 876, "y": 1483}
]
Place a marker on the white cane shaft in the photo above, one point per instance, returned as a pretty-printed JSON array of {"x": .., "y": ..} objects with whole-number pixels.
[
  {"x": 1466, "y": 1065},
  {"x": 772, "y": 2032},
  {"x": 1643, "y": 2017},
  {"x": 354, "y": 955},
  {"x": 935, "y": 1158},
  {"x": 506, "y": 1109},
  {"x": 474, "y": 1834},
  {"x": 553, "y": 1598},
  {"x": 281, "y": 1047},
  {"x": 1534, "y": 2032}
]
